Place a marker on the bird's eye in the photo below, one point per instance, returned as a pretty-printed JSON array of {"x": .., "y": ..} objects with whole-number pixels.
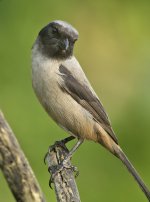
[{"x": 55, "y": 30}]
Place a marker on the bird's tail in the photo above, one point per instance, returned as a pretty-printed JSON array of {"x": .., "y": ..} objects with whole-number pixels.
[{"x": 120, "y": 154}]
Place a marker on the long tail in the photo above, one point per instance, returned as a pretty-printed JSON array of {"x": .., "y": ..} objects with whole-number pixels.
[{"x": 120, "y": 154}]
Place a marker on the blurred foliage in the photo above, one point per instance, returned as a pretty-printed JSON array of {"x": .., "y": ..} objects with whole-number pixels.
[{"x": 113, "y": 49}]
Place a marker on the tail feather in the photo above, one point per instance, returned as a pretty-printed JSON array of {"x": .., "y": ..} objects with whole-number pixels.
[{"x": 120, "y": 154}]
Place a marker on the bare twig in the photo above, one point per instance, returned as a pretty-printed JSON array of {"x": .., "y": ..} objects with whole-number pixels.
[
  {"x": 64, "y": 182},
  {"x": 16, "y": 168}
]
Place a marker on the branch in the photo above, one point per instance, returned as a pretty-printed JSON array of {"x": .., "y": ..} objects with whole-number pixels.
[
  {"x": 16, "y": 168},
  {"x": 64, "y": 182}
]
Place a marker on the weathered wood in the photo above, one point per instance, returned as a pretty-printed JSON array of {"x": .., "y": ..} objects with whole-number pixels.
[
  {"x": 64, "y": 182},
  {"x": 16, "y": 168}
]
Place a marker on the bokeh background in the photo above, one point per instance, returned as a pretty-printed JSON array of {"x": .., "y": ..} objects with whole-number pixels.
[{"x": 114, "y": 51}]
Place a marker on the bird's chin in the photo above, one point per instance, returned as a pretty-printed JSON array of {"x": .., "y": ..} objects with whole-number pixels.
[
  {"x": 59, "y": 53},
  {"x": 63, "y": 54}
]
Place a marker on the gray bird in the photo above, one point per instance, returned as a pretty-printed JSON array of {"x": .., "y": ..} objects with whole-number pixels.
[{"x": 66, "y": 94}]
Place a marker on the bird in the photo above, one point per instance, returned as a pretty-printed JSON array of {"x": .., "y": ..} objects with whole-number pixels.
[{"x": 66, "y": 94}]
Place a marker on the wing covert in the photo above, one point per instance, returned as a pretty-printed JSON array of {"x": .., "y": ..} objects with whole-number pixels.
[{"x": 84, "y": 96}]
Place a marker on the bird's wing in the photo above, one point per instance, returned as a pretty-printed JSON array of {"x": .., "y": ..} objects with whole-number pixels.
[{"x": 84, "y": 96}]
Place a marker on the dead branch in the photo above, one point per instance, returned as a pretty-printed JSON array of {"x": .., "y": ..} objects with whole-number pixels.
[{"x": 16, "y": 168}]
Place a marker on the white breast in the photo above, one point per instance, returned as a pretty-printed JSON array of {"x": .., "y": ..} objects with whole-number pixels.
[{"x": 44, "y": 78}]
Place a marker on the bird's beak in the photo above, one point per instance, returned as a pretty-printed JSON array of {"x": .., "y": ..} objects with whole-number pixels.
[{"x": 66, "y": 43}]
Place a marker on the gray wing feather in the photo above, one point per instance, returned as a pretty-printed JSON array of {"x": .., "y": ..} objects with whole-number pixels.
[{"x": 84, "y": 96}]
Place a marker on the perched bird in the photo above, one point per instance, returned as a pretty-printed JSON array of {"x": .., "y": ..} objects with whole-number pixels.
[{"x": 66, "y": 94}]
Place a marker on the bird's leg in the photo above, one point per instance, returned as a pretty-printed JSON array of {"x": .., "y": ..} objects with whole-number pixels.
[
  {"x": 61, "y": 143},
  {"x": 76, "y": 146},
  {"x": 68, "y": 139},
  {"x": 63, "y": 164}
]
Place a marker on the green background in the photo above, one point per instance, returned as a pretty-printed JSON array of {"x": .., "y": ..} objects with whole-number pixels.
[{"x": 114, "y": 51}]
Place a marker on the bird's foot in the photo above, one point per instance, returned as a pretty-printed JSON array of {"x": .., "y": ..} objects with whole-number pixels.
[
  {"x": 63, "y": 158},
  {"x": 60, "y": 143}
]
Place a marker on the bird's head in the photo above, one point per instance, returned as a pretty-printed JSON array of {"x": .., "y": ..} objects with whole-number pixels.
[{"x": 57, "y": 39}]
